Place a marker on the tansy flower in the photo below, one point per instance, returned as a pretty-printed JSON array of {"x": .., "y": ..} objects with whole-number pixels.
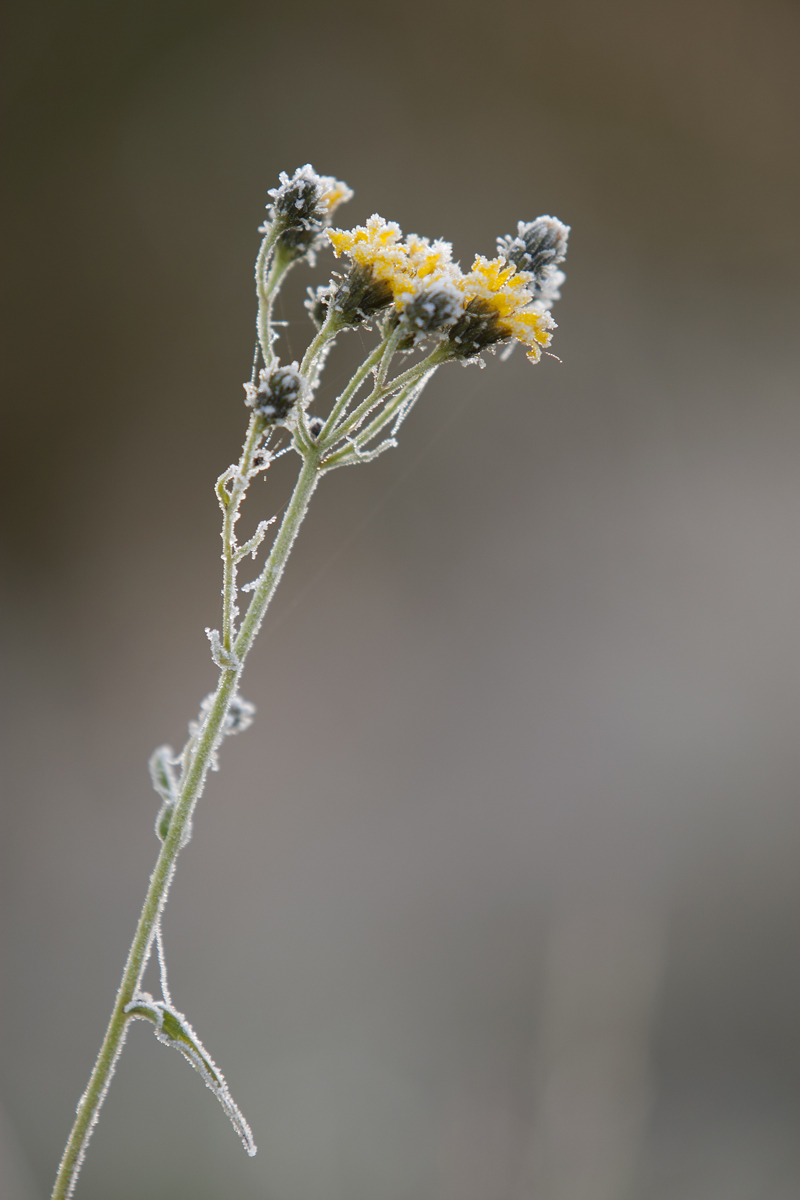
[{"x": 499, "y": 306}]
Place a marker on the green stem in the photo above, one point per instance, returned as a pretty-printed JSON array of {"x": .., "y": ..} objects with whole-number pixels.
[
  {"x": 400, "y": 384},
  {"x": 307, "y": 481},
  {"x": 200, "y": 758},
  {"x": 325, "y": 436},
  {"x": 267, "y": 284},
  {"x": 239, "y": 484},
  {"x": 331, "y": 326},
  {"x": 264, "y": 306}
]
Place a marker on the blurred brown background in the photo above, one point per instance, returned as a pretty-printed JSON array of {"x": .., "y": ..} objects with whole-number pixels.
[{"x": 498, "y": 900}]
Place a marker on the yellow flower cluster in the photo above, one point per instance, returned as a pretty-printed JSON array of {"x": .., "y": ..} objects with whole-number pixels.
[
  {"x": 498, "y": 283},
  {"x": 495, "y": 287},
  {"x": 377, "y": 246}
]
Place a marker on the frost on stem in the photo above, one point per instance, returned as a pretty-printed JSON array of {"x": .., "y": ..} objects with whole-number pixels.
[
  {"x": 224, "y": 659},
  {"x": 172, "y": 1029},
  {"x": 239, "y": 717}
]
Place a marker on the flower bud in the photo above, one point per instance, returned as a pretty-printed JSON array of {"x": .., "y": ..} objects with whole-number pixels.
[
  {"x": 537, "y": 250},
  {"x": 431, "y": 311},
  {"x": 239, "y": 716},
  {"x": 302, "y": 207},
  {"x": 277, "y": 393}
]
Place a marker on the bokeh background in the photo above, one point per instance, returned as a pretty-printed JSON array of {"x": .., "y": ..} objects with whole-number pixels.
[{"x": 498, "y": 900}]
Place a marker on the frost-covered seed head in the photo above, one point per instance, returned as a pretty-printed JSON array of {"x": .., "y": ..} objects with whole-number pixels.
[
  {"x": 302, "y": 208},
  {"x": 537, "y": 250},
  {"x": 315, "y": 426},
  {"x": 277, "y": 393}
]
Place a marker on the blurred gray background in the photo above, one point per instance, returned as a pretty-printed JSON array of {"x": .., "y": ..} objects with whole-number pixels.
[{"x": 498, "y": 899}]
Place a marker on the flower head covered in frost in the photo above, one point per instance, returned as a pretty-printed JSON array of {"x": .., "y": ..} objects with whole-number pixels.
[
  {"x": 499, "y": 305},
  {"x": 432, "y": 301},
  {"x": 302, "y": 208},
  {"x": 386, "y": 270},
  {"x": 380, "y": 271},
  {"x": 497, "y": 301},
  {"x": 536, "y": 251},
  {"x": 279, "y": 389}
]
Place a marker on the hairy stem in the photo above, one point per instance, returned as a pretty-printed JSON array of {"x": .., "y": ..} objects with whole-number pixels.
[
  {"x": 230, "y": 502},
  {"x": 372, "y": 361},
  {"x": 398, "y": 387},
  {"x": 198, "y": 763}
]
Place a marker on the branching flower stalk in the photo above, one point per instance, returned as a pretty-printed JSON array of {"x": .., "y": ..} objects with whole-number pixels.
[{"x": 419, "y": 299}]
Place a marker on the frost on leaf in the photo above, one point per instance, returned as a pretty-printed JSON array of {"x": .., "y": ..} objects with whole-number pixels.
[
  {"x": 162, "y": 772},
  {"x": 165, "y": 781},
  {"x": 238, "y": 718},
  {"x": 172, "y": 1028}
]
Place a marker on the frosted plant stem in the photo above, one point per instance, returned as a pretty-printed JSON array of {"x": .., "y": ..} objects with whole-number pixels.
[
  {"x": 369, "y": 364},
  {"x": 266, "y": 286},
  {"x": 327, "y": 333},
  {"x": 191, "y": 788},
  {"x": 162, "y": 965},
  {"x": 398, "y": 387},
  {"x": 230, "y": 502},
  {"x": 270, "y": 577}
]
